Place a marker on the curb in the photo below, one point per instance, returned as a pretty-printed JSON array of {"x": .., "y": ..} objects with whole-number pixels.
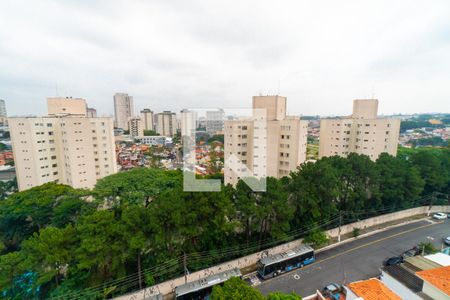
[{"x": 369, "y": 234}]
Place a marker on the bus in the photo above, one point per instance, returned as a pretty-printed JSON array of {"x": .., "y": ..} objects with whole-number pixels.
[
  {"x": 201, "y": 289},
  {"x": 274, "y": 265}
]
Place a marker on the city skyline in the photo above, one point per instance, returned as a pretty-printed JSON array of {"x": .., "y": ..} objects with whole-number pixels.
[{"x": 320, "y": 56}]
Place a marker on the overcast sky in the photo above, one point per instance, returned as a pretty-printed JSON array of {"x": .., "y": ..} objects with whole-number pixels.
[{"x": 179, "y": 54}]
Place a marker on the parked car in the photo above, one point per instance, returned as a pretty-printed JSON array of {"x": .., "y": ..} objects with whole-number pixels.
[
  {"x": 393, "y": 261},
  {"x": 411, "y": 252},
  {"x": 446, "y": 240},
  {"x": 334, "y": 291},
  {"x": 440, "y": 216}
]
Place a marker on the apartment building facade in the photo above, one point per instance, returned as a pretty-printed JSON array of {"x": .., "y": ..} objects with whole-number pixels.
[
  {"x": 3, "y": 115},
  {"x": 67, "y": 149},
  {"x": 57, "y": 106},
  {"x": 136, "y": 127},
  {"x": 215, "y": 121},
  {"x": 147, "y": 119},
  {"x": 273, "y": 145},
  {"x": 123, "y": 110},
  {"x": 362, "y": 132},
  {"x": 166, "y": 123}
]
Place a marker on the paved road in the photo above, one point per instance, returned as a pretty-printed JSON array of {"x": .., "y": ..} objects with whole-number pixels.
[{"x": 356, "y": 260}]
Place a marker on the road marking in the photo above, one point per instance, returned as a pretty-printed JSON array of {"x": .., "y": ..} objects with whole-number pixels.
[{"x": 356, "y": 248}]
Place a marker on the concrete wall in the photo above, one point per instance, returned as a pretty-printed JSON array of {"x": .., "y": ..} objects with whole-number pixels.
[
  {"x": 433, "y": 292},
  {"x": 168, "y": 286},
  {"x": 387, "y": 218}
]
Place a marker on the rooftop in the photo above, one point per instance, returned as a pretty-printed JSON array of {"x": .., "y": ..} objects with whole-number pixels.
[
  {"x": 439, "y": 277},
  {"x": 439, "y": 258},
  {"x": 421, "y": 263},
  {"x": 373, "y": 289}
]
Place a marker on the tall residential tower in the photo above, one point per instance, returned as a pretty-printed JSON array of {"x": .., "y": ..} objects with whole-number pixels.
[
  {"x": 147, "y": 119},
  {"x": 283, "y": 139},
  {"x": 166, "y": 123},
  {"x": 362, "y": 132},
  {"x": 64, "y": 147},
  {"x": 123, "y": 110}
]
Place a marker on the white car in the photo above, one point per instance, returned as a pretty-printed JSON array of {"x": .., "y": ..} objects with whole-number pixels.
[
  {"x": 440, "y": 216},
  {"x": 446, "y": 240}
]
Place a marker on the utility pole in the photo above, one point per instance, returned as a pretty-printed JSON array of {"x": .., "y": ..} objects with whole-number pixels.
[
  {"x": 340, "y": 224},
  {"x": 185, "y": 267}
]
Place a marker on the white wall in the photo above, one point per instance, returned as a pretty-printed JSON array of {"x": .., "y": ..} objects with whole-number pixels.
[{"x": 434, "y": 292}]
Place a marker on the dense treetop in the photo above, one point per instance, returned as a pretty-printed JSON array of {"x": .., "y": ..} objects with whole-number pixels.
[{"x": 136, "y": 228}]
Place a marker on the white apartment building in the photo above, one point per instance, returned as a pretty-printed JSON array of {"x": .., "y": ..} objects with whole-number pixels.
[
  {"x": 215, "y": 121},
  {"x": 147, "y": 119},
  {"x": 188, "y": 122},
  {"x": 166, "y": 123},
  {"x": 57, "y": 106},
  {"x": 136, "y": 128},
  {"x": 362, "y": 132},
  {"x": 3, "y": 115},
  {"x": 67, "y": 149},
  {"x": 270, "y": 146},
  {"x": 123, "y": 110}
]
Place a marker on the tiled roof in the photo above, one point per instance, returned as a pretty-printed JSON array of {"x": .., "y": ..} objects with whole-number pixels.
[
  {"x": 373, "y": 289},
  {"x": 439, "y": 277}
]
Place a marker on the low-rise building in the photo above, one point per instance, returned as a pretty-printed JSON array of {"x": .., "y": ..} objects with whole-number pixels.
[
  {"x": 371, "y": 289},
  {"x": 155, "y": 140},
  {"x": 436, "y": 282}
]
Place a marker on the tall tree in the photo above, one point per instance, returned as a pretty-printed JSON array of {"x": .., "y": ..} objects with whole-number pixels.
[
  {"x": 50, "y": 252},
  {"x": 235, "y": 289},
  {"x": 400, "y": 182}
]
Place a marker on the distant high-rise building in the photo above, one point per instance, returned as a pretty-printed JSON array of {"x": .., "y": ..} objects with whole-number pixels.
[
  {"x": 361, "y": 133},
  {"x": 269, "y": 145},
  {"x": 123, "y": 110},
  {"x": 91, "y": 112},
  {"x": 66, "y": 106},
  {"x": 136, "y": 128},
  {"x": 214, "y": 121},
  {"x": 63, "y": 147},
  {"x": 147, "y": 119},
  {"x": 188, "y": 122},
  {"x": 3, "y": 114},
  {"x": 166, "y": 123}
]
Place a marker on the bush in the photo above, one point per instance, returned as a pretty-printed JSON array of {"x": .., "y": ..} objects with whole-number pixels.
[
  {"x": 427, "y": 248},
  {"x": 356, "y": 232},
  {"x": 316, "y": 238}
]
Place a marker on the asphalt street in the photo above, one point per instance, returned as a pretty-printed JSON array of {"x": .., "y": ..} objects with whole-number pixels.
[{"x": 356, "y": 260}]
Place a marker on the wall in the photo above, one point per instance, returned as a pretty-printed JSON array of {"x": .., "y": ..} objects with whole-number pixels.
[
  {"x": 168, "y": 286},
  {"x": 434, "y": 292}
]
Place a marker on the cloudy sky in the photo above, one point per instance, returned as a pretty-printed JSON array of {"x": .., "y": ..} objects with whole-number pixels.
[{"x": 172, "y": 54}]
